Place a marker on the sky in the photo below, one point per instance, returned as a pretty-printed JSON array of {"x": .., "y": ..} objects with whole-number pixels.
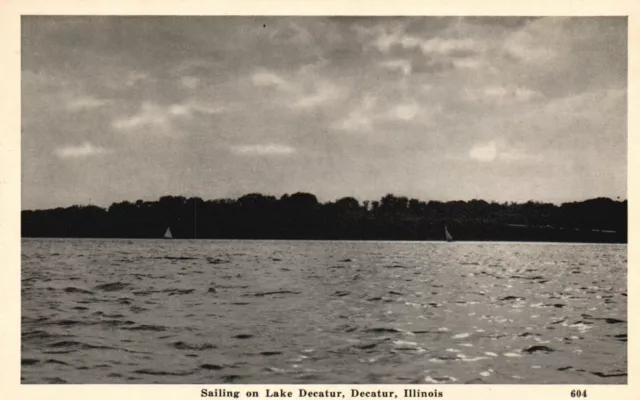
[{"x": 434, "y": 108}]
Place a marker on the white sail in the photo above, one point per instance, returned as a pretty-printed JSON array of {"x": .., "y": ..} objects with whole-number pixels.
[
  {"x": 447, "y": 235},
  {"x": 167, "y": 234}
]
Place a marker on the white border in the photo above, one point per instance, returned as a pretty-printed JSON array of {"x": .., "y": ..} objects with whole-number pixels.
[{"x": 10, "y": 12}]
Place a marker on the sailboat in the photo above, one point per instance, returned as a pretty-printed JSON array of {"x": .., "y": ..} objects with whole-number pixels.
[
  {"x": 447, "y": 235},
  {"x": 167, "y": 234}
]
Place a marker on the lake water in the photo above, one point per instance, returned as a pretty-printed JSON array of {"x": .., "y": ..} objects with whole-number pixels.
[{"x": 206, "y": 311}]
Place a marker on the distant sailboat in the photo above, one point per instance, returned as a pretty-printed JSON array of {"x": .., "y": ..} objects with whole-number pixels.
[
  {"x": 167, "y": 234},
  {"x": 447, "y": 235}
]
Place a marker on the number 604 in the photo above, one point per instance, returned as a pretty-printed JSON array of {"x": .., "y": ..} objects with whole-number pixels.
[{"x": 578, "y": 393}]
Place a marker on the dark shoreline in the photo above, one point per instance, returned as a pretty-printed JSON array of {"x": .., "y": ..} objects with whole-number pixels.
[{"x": 301, "y": 217}]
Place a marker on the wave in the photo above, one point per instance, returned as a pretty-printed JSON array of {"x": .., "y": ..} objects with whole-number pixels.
[
  {"x": 161, "y": 373},
  {"x": 40, "y": 334},
  {"x": 383, "y": 330},
  {"x": 112, "y": 287},
  {"x": 54, "y": 361},
  {"x": 69, "y": 323},
  {"x": 243, "y": 336},
  {"x": 173, "y": 292},
  {"x": 155, "y": 328},
  {"x": 115, "y": 322},
  {"x": 606, "y": 375},
  {"x": 536, "y": 348},
  {"x": 187, "y": 346},
  {"x": 261, "y": 294},
  {"x": 77, "y": 290},
  {"x": 270, "y": 353},
  {"x": 78, "y": 345},
  {"x": 211, "y": 367}
]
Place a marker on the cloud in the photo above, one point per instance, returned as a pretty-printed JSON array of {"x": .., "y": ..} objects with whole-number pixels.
[
  {"x": 210, "y": 108},
  {"x": 303, "y": 89},
  {"x": 263, "y": 150},
  {"x": 450, "y": 46},
  {"x": 397, "y": 65},
  {"x": 179, "y": 110},
  {"x": 510, "y": 91},
  {"x": 485, "y": 153},
  {"x": 472, "y": 63},
  {"x": 188, "y": 108},
  {"x": 503, "y": 94},
  {"x": 190, "y": 81},
  {"x": 405, "y": 112},
  {"x": 321, "y": 93},
  {"x": 537, "y": 42},
  {"x": 291, "y": 33},
  {"x": 123, "y": 80},
  {"x": 160, "y": 119},
  {"x": 592, "y": 106},
  {"x": 150, "y": 115},
  {"x": 491, "y": 151},
  {"x": 355, "y": 121},
  {"x": 384, "y": 37},
  {"x": 134, "y": 77},
  {"x": 267, "y": 78},
  {"x": 358, "y": 119},
  {"x": 81, "y": 151},
  {"x": 85, "y": 103},
  {"x": 420, "y": 52},
  {"x": 385, "y": 109}
]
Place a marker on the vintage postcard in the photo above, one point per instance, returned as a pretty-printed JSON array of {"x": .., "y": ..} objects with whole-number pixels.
[{"x": 314, "y": 200}]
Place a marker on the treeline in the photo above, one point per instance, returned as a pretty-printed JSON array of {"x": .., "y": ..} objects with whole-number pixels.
[{"x": 302, "y": 216}]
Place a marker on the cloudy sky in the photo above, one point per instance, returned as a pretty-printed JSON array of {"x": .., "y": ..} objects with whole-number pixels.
[{"x": 506, "y": 109}]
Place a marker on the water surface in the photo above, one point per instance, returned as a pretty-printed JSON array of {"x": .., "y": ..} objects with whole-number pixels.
[{"x": 205, "y": 311}]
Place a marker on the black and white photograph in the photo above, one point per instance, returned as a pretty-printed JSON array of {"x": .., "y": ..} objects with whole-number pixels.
[{"x": 358, "y": 200}]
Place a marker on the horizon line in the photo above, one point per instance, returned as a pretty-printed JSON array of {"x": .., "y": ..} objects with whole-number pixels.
[{"x": 360, "y": 201}]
